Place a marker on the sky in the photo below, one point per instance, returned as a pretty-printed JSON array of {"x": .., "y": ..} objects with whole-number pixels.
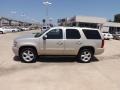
[{"x": 34, "y": 10}]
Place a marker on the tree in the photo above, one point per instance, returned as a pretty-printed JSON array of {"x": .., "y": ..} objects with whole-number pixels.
[
  {"x": 44, "y": 21},
  {"x": 117, "y": 18}
]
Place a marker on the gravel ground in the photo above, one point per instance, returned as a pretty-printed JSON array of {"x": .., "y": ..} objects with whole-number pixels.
[{"x": 59, "y": 74}]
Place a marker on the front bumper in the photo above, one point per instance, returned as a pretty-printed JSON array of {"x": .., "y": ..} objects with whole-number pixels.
[
  {"x": 99, "y": 51},
  {"x": 15, "y": 50}
]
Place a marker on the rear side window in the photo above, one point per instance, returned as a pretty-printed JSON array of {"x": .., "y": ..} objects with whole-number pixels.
[
  {"x": 72, "y": 34},
  {"x": 91, "y": 34}
]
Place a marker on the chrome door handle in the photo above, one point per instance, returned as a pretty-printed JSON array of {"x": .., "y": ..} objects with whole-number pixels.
[
  {"x": 60, "y": 43},
  {"x": 79, "y": 43}
]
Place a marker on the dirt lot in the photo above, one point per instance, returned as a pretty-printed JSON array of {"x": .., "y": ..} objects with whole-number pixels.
[{"x": 101, "y": 74}]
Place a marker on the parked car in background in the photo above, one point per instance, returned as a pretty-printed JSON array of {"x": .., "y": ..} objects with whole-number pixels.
[
  {"x": 44, "y": 28},
  {"x": 107, "y": 36},
  {"x": 11, "y": 29},
  {"x": 15, "y": 30},
  {"x": 20, "y": 29},
  {"x": 34, "y": 27},
  {"x": 3, "y": 31},
  {"x": 116, "y": 36},
  {"x": 82, "y": 43},
  {"x": 8, "y": 30},
  {"x": 25, "y": 29}
]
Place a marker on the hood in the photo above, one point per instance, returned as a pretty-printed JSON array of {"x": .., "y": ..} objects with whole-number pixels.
[{"x": 29, "y": 36}]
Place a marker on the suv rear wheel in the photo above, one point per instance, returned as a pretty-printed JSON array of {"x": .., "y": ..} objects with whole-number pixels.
[
  {"x": 1, "y": 32},
  {"x": 28, "y": 55},
  {"x": 13, "y": 30},
  {"x": 85, "y": 56}
]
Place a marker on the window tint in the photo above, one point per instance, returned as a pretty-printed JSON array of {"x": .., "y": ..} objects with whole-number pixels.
[
  {"x": 92, "y": 34},
  {"x": 72, "y": 34},
  {"x": 55, "y": 34}
]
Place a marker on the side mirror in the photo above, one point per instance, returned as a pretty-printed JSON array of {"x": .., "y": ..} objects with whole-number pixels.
[{"x": 45, "y": 37}]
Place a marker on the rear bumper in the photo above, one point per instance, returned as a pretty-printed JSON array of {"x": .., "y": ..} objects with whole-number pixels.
[{"x": 99, "y": 51}]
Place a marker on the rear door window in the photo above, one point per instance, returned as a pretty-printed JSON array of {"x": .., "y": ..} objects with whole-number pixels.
[{"x": 72, "y": 34}]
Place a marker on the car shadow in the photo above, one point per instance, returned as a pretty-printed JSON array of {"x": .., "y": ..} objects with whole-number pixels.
[
  {"x": 56, "y": 59},
  {"x": 95, "y": 59},
  {"x": 50, "y": 59},
  {"x": 16, "y": 58}
]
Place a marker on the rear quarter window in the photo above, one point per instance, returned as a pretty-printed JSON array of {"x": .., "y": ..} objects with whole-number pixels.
[{"x": 91, "y": 34}]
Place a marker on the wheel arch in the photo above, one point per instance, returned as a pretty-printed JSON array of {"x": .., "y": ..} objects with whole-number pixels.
[
  {"x": 87, "y": 47},
  {"x": 22, "y": 47},
  {"x": 2, "y": 32}
]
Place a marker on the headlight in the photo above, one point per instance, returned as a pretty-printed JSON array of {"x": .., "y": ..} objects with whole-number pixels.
[{"x": 15, "y": 44}]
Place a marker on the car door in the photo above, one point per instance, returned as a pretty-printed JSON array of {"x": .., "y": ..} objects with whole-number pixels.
[
  {"x": 72, "y": 42},
  {"x": 54, "y": 43}
]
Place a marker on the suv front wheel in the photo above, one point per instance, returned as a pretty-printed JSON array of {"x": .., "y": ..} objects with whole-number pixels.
[
  {"x": 28, "y": 55},
  {"x": 85, "y": 56}
]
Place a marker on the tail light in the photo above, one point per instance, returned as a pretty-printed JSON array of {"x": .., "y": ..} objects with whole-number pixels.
[{"x": 103, "y": 42}]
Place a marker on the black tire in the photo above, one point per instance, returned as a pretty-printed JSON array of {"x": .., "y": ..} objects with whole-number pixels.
[
  {"x": 13, "y": 30},
  {"x": 1, "y": 32},
  {"x": 27, "y": 60},
  {"x": 85, "y": 58}
]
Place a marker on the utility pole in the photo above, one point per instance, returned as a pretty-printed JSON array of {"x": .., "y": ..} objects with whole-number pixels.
[{"x": 47, "y": 3}]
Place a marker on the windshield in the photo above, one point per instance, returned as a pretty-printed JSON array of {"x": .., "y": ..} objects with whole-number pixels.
[{"x": 39, "y": 34}]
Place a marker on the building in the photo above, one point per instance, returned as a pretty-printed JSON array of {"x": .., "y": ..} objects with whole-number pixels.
[
  {"x": 87, "y": 21},
  {"x": 4, "y": 21},
  {"x": 111, "y": 27},
  {"x": 91, "y": 22},
  {"x": 62, "y": 22},
  {"x": 10, "y": 22}
]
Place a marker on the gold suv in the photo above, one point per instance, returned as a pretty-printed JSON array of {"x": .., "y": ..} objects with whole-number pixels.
[{"x": 83, "y": 43}]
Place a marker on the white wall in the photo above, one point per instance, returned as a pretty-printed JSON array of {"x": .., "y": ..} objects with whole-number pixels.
[
  {"x": 112, "y": 24},
  {"x": 89, "y": 19},
  {"x": 105, "y": 29}
]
